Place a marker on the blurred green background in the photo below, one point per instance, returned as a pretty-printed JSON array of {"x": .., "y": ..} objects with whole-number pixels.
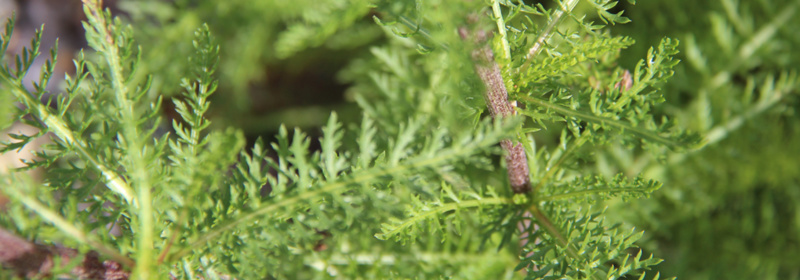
[{"x": 732, "y": 209}]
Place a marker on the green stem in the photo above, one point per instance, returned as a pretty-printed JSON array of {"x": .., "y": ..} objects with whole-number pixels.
[
  {"x": 132, "y": 137},
  {"x": 68, "y": 228},
  {"x": 444, "y": 208},
  {"x": 501, "y": 28},
  {"x": 61, "y": 130},
  {"x": 646, "y": 134},
  {"x": 585, "y": 193},
  {"x": 565, "y": 7},
  {"x": 552, "y": 169},
  {"x": 422, "y": 31},
  {"x": 544, "y": 222}
]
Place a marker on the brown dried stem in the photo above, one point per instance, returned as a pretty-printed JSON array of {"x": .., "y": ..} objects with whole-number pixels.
[{"x": 496, "y": 97}]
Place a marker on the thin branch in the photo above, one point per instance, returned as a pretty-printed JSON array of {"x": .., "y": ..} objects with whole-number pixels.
[
  {"x": 442, "y": 209},
  {"x": 496, "y": 97},
  {"x": 60, "y": 129},
  {"x": 133, "y": 139},
  {"x": 547, "y": 32},
  {"x": 544, "y": 222},
  {"x": 501, "y": 28},
  {"x": 65, "y": 226},
  {"x": 553, "y": 169},
  {"x": 646, "y": 134},
  {"x": 583, "y": 193}
]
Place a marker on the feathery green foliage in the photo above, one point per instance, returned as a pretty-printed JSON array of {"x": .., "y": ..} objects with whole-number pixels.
[{"x": 412, "y": 188}]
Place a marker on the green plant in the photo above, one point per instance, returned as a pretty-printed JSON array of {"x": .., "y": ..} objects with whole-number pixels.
[{"x": 412, "y": 190}]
